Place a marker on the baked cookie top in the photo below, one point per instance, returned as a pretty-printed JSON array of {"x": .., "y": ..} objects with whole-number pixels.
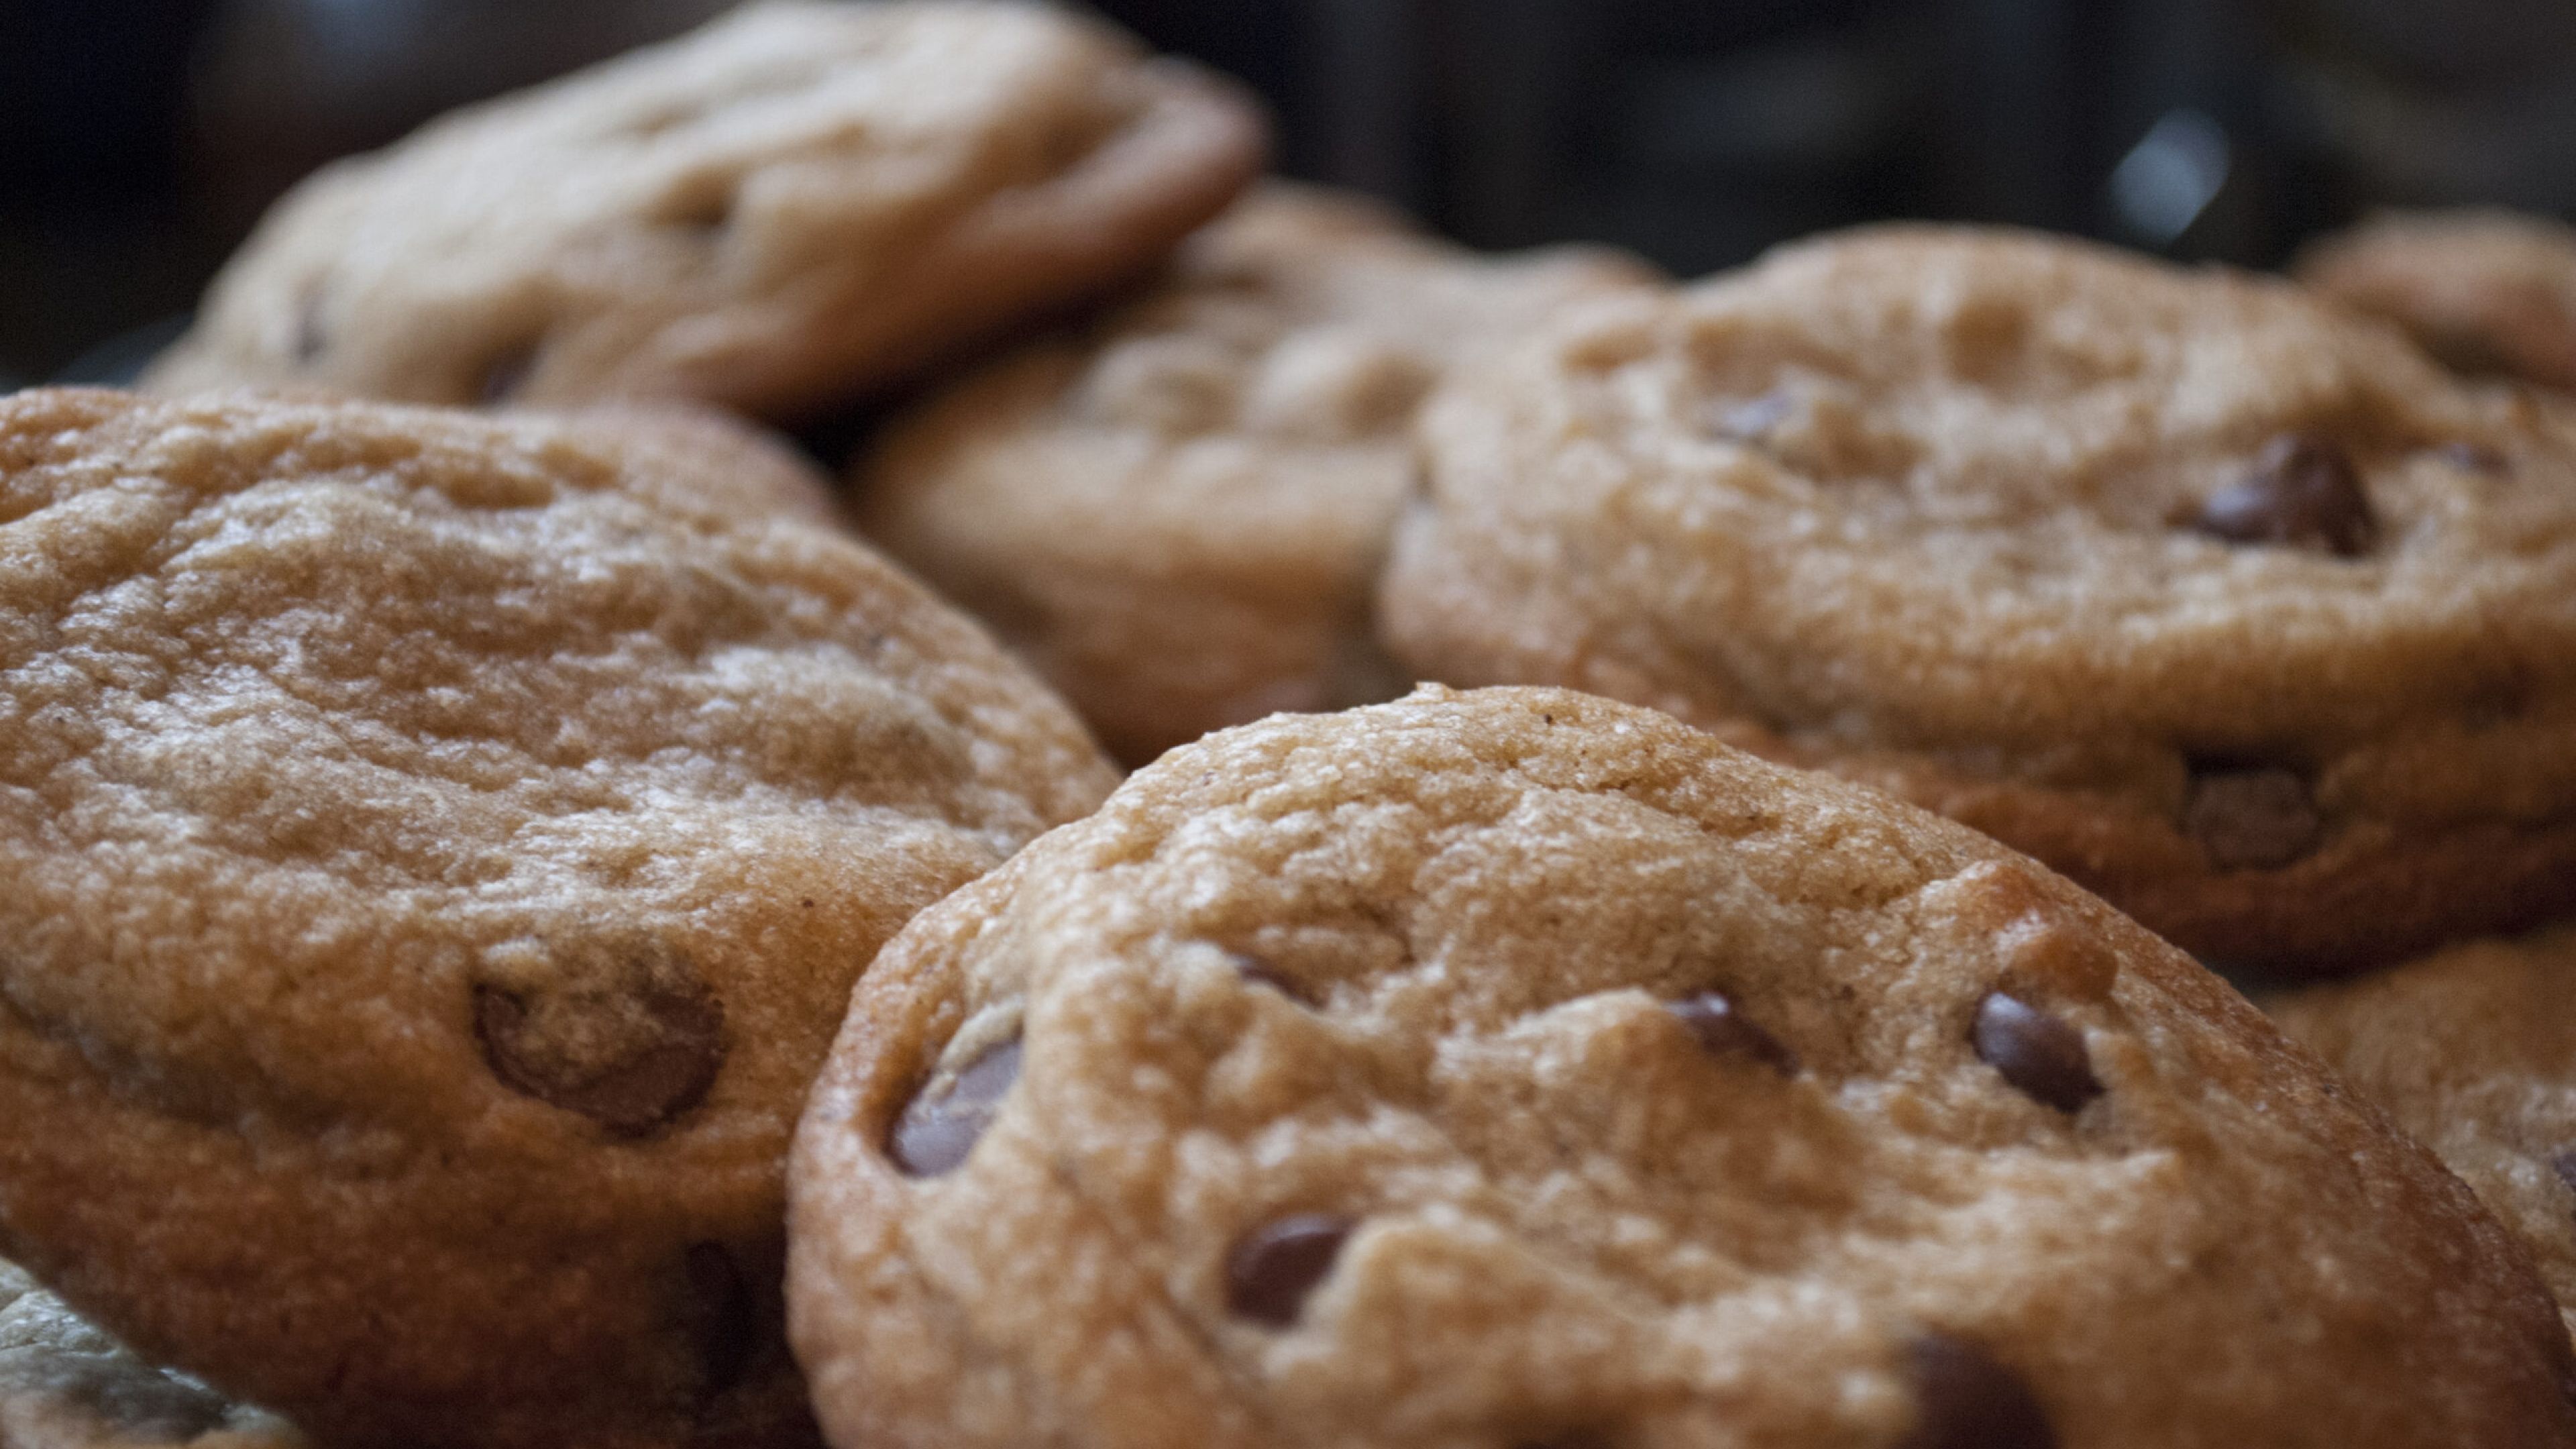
[
  {"x": 1178, "y": 514},
  {"x": 794, "y": 205},
  {"x": 64, "y": 1384},
  {"x": 1518, "y": 1068},
  {"x": 434, "y": 854},
  {"x": 2473, "y": 1050},
  {"x": 2233, "y": 607},
  {"x": 2487, "y": 292}
]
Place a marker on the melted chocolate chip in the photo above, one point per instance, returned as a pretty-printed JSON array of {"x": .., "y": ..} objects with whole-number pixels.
[
  {"x": 934, "y": 1134},
  {"x": 1724, "y": 1031},
  {"x": 1261, "y": 973},
  {"x": 722, "y": 1321},
  {"x": 2036, "y": 1052},
  {"x": 2303, "y": 493},
  {"x": 632, "y": 1057},
  {"x": 1269, "y": 1273},
  {"x": 1965, "y": 1400},
  {"x": 506, "y": 374},
  {"x": 2252, "y": 819}
]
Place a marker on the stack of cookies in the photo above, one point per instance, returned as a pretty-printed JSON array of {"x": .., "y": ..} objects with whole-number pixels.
[{"x": 1678, "y": 839}]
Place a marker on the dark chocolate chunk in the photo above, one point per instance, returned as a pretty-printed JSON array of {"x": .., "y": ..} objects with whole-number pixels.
[
  {"x": 506, "y": 374},
  {"x": 1261, "y": 973},
  {"x": 1965, "y": 1400},
  {"x": 631, "y": 1053},
  {"x": 721, "y": 1318},
  {"x": 2252, "y": 819},
  {"x": 2303, "y": 493},
  {"x": 1725, "y": 1031},
  {"x": 934, "y": 1134},
  {"x": 2038, "y": 1053},
  {"x": 1270, "y": 1272}
]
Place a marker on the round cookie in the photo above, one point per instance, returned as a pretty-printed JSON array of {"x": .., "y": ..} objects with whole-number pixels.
[
  {"x": 64, "y": 1384},
  {"x": 1178, "y": 515},
  {"x": 2232, "y": 607},
  {"x": 2487, "y": 292},
  {"x": 797, "y": 204},
  {"x": 2473, "y": 1050},
  {"x": 434, "y": 854},
  {"x": 1522, "y": 1068}
]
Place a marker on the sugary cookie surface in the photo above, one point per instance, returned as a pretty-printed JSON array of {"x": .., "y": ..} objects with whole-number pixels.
[
  {"x": 790, "y": 207},
  {"x": 1518, "y": 1068},
  {"x": 2488, "y": 292},
  {"x": 1179, "y": 514},
  {"x": 2473, "y": 1050},
  {"x": 434, "y": 852},
  {"x": 2231, "y": 606}
]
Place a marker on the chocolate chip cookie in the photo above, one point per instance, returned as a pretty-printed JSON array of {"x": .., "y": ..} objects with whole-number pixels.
[
  {"x": 2232, "y": 607},
  {"x": 2490, "y": 293},
  {"x": 434, "y": 854},
  {"x": 1179, "y": 514},
  {"x": 64, "y": 1384},
  {"x": 798, "y": 204},
  {"x": 1522, "y": 1068},
  {"x": 2473, "y": 1050}
]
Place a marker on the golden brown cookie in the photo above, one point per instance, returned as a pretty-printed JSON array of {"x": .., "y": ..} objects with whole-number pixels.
[
  {"x": 797, "y": 204},
  {"x": 2230, "y": 606},
  {"x": 434, "y": 854},
  {"x": 2487, "y": 292},
  {"x": 2473, "y": 1050},
  {"x": 1521, "y": 1068},
  {"x": 1178, "y": 515},
  {"x": 64, "y": 1384}
]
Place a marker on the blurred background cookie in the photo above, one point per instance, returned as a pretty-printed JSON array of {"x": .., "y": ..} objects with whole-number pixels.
[
  {"x": 438, "y": 850},
  {"x": 2490, "y": 293},
  {"x": 2233, "y": 608},
  {"x": 1521, "y": 1068},
  {"x": 2473, "y": 1050},
  {"x": 792, "y": 207},
  {"x": 64, "y": 1384},
  {"x": 1178, "y": 513}
]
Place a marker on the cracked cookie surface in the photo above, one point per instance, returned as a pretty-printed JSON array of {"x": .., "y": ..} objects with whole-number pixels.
[
  {"x": 1178, "y": 514},
  {"x": 2232, "y": 607},
  {"x": 794, "y": 206},
  {"x": 434, "y": 854},
  {"x": 1519, "y": 1068}
]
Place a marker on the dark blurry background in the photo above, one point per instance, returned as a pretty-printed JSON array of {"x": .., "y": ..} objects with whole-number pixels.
[{"x": 139, "y": 139}]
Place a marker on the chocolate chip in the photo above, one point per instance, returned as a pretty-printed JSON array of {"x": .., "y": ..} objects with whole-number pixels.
[
  {"x": 2471, "y": 457},
  {"x": 1724, "y": 1031},
  {"x": 934, "y": 1134},
  {"x": 631, "y": 1045},
  {"x": 1965, "y": 1400},
  {"x": 2564, "y": 1164},
  {"x": 1269, "y": 1273},
  {"x": 721, "y": 1319},
  {"x": 2036, "y": 1052},
  {"x": 2252, "y": 819},
  {"x": 2303, "y": 492},
  {"x": 1258, "y": 972},
  {"x": 506, "y": 374}
]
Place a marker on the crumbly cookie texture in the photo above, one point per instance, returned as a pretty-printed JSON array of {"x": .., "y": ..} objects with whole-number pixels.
[
  {"x": 1179, "y": 514},
  {"x": 1521, "y": 1068},
  {"x": 2488, "y": 292},
  {"x": 434, "y": 854},
  {"x": 2473, "y": 1050},
  {"x": 796, "y": 205},
  {"x": 2231, "y": 607},
  {"x": 65, "y": 1384}
]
